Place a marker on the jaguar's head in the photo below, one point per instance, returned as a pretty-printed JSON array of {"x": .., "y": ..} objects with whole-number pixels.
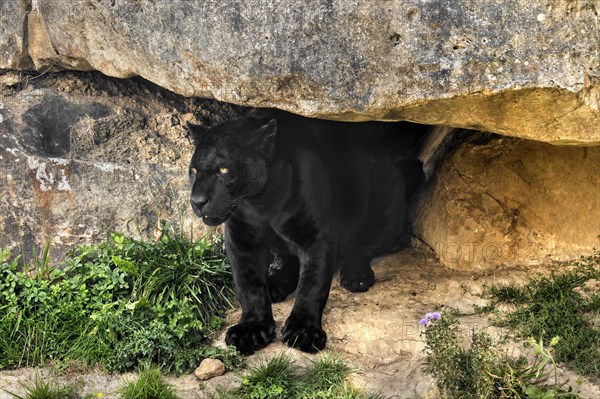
[{"x": 229, "y": 165}]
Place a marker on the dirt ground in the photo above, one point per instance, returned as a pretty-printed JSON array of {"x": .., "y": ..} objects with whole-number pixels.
[{"x": 377, "y": 332}]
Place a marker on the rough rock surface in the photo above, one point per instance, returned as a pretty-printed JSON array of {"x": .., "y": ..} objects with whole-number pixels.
[
  {"x": 377, "y": 331},
  {"x": 13, "y": 40},
  {"x": 209, "y": 368},
  {"x": 517, "y": 67},
  {"x": 501, "y": 200},
  {"x": 82, "y": 155}
]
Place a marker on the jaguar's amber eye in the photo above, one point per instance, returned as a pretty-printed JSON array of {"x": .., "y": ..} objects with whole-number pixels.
[
  {"x": 223, "y": 171},
  {"x": 193, "y": 171}
]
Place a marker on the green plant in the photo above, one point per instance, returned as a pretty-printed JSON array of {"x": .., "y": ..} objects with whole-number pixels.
[
  {"x": 482, "y": 371},
  {"x": 280, "y": 378},
  {"x": 555, "y": 305},
  {"x": 324, "y": 373},
  {"x": 120, "y": 303},
  {"x": 326, "y": 378},
  {"x": 273, "y": 380},
  {"x": 150, "y": 384},
  {"x": 41, "y": 388}
]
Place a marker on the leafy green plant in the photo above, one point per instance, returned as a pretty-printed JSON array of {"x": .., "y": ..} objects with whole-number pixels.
[
  {"x": 280, "y": 378},
  {"x": 555, "y": 305},
  {"x": 482, "y": 371},
  {"x": 121, "y": 303},
  {"x": 150, "y": 384}
]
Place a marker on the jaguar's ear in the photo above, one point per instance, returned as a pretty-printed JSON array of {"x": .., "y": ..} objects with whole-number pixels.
[
  {"x": 196, "y": 132},
  {"x": 265, "y": 137}
]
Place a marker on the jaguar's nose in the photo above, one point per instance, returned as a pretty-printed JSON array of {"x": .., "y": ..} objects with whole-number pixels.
[{"x": 199, "y": 200}]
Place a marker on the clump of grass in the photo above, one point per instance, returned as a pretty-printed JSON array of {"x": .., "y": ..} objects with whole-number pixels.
[
  {"x": 150, "y": 384},
  {"x": 120, "y": 304},
  {"x": 41, "y": 388},
  {"x": 280, "y": 378},
  {"x": 480, "y": 370},
  {"x": 276, "y": 379},
  {"x": 555, "y": 305},
  {"x": 325, "y": 373}
]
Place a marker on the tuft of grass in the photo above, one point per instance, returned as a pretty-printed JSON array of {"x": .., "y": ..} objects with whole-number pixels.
[
  {"x": 280, "y": 378},
  {"x": 276, "y": 379},
  {"x": 150, "y": 384},
  {"x": 41, "y": 388},
  {"x": 326, "y": 372},
  {"x": 557, "y": 305},
  {"x": 119, "y": 304}
]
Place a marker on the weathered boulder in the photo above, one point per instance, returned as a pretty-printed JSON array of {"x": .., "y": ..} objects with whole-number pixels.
[
  {"x": 506, "y": 201},
  {"x": 529, "y": 69},
  {"x": 82, "y": 156}
]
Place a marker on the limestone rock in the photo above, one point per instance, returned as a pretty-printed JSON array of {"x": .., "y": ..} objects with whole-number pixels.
[
  {"x": 82, "y": 156},
  {"x": 522, "y": 68},
  {"x": 506, "y": 201},
  {"x": 210, "y": 368},
  {"x": 13, "y": 46}
]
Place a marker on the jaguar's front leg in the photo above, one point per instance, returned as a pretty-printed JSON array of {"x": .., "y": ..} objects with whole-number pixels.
[
  {"x": 249, "y": 263},
  {"x": 303, "y": 329}
]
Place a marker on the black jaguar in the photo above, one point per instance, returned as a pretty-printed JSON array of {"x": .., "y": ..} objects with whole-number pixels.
[{"x": 301, "y": 199}]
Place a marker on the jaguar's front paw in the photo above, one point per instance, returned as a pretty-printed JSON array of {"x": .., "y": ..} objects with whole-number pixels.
[
  {"x": 305, "y": 336},
  {"x": 356, "y": 281},
  {"x": 249, "y": 337}
]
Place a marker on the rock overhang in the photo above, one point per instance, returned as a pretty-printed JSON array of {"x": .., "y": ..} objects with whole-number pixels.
[{"x": 527, "y": 69}]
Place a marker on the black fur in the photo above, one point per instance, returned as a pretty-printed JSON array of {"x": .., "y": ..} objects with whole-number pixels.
[{"x": 307, "y": 197}]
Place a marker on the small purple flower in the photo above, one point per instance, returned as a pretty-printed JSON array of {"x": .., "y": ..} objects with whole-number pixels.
[{"x": 430, "y": 318}]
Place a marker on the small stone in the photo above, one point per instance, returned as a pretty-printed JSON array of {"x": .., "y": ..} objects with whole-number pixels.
[
  {"x": 210, "y": 368},
  {"x": 10, "y": 79}
]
